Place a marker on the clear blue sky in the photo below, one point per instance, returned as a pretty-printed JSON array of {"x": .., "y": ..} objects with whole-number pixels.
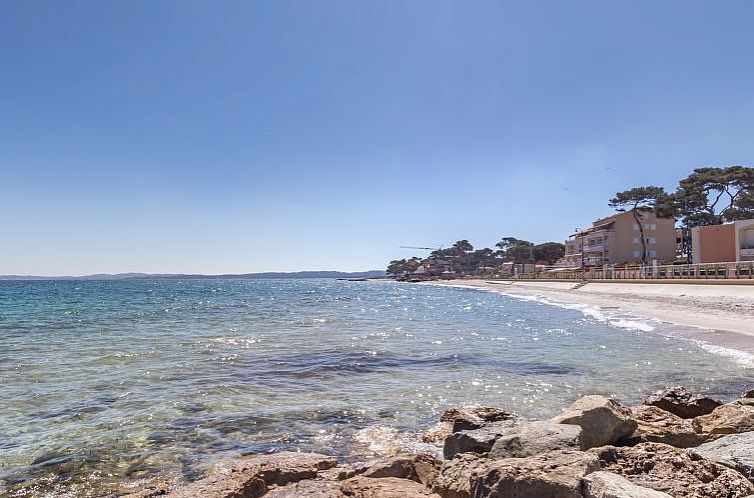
[{"x": 186, "y": 136}]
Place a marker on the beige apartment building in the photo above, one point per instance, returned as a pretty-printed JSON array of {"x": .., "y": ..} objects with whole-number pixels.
[{"x": 616, "y": 240}]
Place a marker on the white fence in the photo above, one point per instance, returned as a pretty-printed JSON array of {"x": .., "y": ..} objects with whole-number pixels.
[{"x": 739, "y": 270}]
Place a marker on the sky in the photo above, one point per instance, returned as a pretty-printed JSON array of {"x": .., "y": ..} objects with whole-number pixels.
[{"x": 181, "y": 136}]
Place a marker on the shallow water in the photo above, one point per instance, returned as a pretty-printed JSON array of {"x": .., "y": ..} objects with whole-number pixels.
[{"x": 109, "y": 382}]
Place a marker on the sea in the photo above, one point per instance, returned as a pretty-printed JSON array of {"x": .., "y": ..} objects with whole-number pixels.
[{"x": 109, "y": 385}]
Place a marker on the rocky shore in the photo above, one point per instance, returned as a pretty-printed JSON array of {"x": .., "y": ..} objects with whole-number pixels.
[{"x": 678, "y": 444}]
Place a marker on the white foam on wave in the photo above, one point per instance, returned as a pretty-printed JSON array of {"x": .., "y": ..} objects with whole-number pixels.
[
  {"x": 617, "y": 319},
  {"x": 386, "y": 440},
  {"x": 741, "y": 357},
  {"x": 622, "y": 320}
]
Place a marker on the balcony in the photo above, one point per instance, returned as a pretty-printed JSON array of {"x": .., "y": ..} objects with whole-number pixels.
[{"x": 595, "y": 248}]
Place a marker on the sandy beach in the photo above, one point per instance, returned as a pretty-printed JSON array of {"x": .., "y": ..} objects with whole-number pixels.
[{"x": 725, "y": 312}]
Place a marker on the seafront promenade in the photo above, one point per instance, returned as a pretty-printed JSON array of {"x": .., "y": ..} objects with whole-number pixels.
[{"x": 735, "y": 272}]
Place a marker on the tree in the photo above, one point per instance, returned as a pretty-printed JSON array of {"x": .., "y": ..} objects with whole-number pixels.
[
  {"x": 403, "y": 266},
  {"x": 549, "y": 252},
  {"x": 463, "y": 246},
  {"x": 713, "y": 196},
  {"x": 515, "y": 250},
  {"x": 638, "y": 200}
]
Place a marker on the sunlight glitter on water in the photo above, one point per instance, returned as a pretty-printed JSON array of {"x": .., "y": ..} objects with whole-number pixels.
[{"x": 103, "y": 386}]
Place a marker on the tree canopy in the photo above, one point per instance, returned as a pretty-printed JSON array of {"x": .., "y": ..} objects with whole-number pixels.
[
  {"x": 712, "y": 196},
  {"x": 636, "y": 201}
]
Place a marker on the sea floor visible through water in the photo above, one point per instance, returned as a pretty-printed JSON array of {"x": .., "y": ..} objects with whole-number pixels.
[{"x": 107, "y": 384}]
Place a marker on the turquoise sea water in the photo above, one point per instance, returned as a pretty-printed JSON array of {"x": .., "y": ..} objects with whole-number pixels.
[{"x": 108, "y": 383}]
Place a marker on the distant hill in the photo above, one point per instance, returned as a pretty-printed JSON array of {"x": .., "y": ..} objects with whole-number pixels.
[{"x": 265, "y": 275}]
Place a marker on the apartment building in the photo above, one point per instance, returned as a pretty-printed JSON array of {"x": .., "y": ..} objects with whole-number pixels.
[
  {"x": 616, "y": 240},
  {"x": 723, "y": 243}
]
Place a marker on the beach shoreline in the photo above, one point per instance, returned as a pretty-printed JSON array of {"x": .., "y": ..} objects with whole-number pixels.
[{"x": 719, "y": 315}]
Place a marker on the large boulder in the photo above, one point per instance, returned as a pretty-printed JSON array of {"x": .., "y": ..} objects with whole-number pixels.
[
  {"x": 602, "y": 420},
  {"x": 386, "y": 487},
  {"x": 251, "y": 477},
  {"x": 659, "y": 426},
  {"x": 474, "y": 417},
  {"x": 682, "y": 402},
  {"x": 454, "y": 480},
  {"x": 421, "y": 468},
  {"x": 552, "y": 475},
  {"x": 477, "y": 440},
  {"x": 464, "y": 419},
  {"x": 675, "y": 471},
  {"x": 609, "y": 485},
  {"x": 735, "y": 451},
  {"x": 732, "y": 418},
  {"x": 533, "y": 438}
]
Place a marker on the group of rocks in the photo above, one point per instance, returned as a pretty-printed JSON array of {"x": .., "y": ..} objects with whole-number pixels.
[{"x": 678, "y": 444}]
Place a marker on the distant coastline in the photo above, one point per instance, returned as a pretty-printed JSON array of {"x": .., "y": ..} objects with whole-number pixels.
[{"x": 263, "y": 275}]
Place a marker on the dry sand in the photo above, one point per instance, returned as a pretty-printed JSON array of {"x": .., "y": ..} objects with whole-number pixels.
[{"x": 725, "y": 312}]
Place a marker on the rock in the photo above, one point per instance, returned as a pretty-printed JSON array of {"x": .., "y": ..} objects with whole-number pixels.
[
  {"x": 437, "y": 433},
  {"x": 659, "y": 426},
  {"x": 678, "y": 472},
  {"x": 387, "y": 487},
  {"x": 308, "y": 489},
  {"x": 287, "y": 467},
  {"x": 608, "y": 485},
  {"x": 250, "y": 477},
  {"x": 748, "y": 394},
  {"x": 744, "y": 401},
  {"x": 534, "y": 438},
  {"x": 477, "y": 440},
  {"x": 149, "y": 492},
  {"x": 464, "y": 419},
  {"x": 735, "y": 451},
  {"x": 552, "y": 475},
  {"x": 454, "y": 480},
  {"x": 470, "y": 418},
  {"x": 421, "y": 468},
  {"x": 682, "y": 402},
  {"x": 341, "y": 472},
  {"x": 731, "y": 418},
  {"x": 602, "y": 420},
  {"x": 221, "y": 485}
]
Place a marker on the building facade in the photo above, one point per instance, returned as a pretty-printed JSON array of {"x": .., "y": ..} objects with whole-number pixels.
[
  {"x": 728, "y": 243},
  {"x": 616, "y": 240}
]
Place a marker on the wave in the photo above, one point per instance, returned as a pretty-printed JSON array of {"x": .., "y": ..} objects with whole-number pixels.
[
  {"x": 618, "y": 319},
  {"x": 622, "y": 320}
]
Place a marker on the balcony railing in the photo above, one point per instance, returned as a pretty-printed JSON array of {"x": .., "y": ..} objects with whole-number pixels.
[{"x": 595, "y": 248}]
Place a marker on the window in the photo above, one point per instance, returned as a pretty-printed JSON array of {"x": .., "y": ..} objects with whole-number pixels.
[
  {"x": 653, "y": 226},
  {"x": 637, "y": 254},
  {"x": 636, "y": 240},
  {"x": 636, "y": 227},
  {"x": 652, "y": 240},
  {"x": 652, "y": 254}
]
